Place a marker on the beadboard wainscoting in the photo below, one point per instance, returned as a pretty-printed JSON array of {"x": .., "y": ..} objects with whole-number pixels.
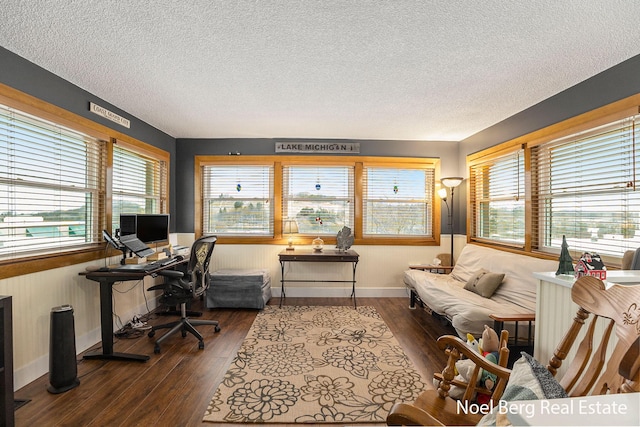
[{"x": 379, "y": 273}]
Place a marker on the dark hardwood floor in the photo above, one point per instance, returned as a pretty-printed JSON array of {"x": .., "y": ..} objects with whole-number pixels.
[{"x": 174, "y": 387}]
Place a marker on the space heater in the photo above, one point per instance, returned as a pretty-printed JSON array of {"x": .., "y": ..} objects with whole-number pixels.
[{"x": 63, "y": 370}]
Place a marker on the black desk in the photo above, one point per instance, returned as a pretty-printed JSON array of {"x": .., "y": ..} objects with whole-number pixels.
[
  {"x": 106, "y": 280},
  {"x": 327, "y": 255}
]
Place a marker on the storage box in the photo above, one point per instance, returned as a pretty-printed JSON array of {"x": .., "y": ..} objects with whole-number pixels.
[{"x": 239, "y": 289}]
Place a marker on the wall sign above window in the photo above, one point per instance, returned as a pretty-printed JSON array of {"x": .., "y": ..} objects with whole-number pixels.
[
  {"x": 318, "y": 147},
  {"x": 101, "y": 111}
]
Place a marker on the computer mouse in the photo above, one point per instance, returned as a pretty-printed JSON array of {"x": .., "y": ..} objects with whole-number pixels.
[{"x": 179, "y": 258}]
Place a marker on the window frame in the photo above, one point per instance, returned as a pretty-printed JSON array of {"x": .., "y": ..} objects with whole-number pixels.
[
  {"x": 358, "y": 162},
  {"x": 149, "y": 152},
  {"x": 270, "y": 172},
  {"x": 618, "y": 186},
  {"x": 434, "y": 202},
  {"x": 322, "y": 231},
  {"x": 587, "y": 121},
  {"x": 474, "y": 199},
  {"x": 90, "y": 252}
]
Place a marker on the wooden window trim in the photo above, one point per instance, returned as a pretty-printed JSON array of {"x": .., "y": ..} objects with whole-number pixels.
[
  {"x": 32, "y": 105},
  {"x": 481, "y": 158},
  {"x": 142, "y": 149},
  {"x": 608, "y": 113},
  {"x": 278, "y": 161}
]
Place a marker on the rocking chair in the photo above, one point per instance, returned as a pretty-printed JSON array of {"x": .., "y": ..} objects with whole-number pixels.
[{"x": 588, "y": 374}]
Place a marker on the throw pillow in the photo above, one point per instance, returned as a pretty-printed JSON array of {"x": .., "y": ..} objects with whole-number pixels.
[
  {"x": 484, "y": 283},
  {"x": 529, "y": 380}
]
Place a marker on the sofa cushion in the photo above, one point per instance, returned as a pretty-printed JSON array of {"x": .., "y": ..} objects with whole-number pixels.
[
  {"x": 518, "y": 286},
  {"x": 484, "y": 283},
  {"x": 469, "y": 312}
]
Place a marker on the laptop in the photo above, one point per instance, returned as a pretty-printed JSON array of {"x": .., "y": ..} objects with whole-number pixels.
[{"x": 135, "y": 245}]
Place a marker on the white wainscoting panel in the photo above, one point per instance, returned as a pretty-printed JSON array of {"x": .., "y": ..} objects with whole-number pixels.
[{"x": 379, "y": 273}]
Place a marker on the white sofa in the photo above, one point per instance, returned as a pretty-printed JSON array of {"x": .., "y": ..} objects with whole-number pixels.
[{"x": 467, "y": 311}]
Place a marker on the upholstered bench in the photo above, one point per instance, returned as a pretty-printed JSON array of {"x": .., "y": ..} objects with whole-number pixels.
[{"x": 239, "y": 289}]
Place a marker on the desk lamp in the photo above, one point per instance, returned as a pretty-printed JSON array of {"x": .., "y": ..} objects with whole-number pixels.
[{"x": 290, "y": 227}]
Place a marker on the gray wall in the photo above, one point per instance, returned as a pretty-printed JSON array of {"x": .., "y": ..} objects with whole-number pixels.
[
  {"x": 618, "y": 82},
  {"x": 29, "y": 78},
  {"x": 188, "y": 148}
]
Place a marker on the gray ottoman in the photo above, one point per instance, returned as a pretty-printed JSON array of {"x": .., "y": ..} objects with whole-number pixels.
[{"x": 239, "y": 289}]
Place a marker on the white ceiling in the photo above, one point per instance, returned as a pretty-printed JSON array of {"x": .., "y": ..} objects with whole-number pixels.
[{"x": 377, "y": 69}]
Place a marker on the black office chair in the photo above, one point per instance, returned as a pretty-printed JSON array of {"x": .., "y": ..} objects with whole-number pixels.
[{"x": 178, "y": 291}]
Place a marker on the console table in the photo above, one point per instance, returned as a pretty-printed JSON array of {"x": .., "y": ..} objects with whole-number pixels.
[{"x": 327, "y": 255}]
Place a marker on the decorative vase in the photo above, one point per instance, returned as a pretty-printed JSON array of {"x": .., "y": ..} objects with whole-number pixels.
[{"x": 317, "y": 244}]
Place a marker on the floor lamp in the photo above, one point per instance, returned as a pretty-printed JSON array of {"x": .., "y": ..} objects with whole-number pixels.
[{"x": 451, "y": 182}]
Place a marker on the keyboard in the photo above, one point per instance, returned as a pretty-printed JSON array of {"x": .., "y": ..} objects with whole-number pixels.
[
  {"x": 144, "y": 267},
  {"x": 161, "y": 262}
]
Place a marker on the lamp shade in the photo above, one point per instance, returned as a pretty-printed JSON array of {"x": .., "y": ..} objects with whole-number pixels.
[
  {"x": 451, "y": 181},
  {"x": 442, "y": 193},
  {"x": 289, "y": 226}
]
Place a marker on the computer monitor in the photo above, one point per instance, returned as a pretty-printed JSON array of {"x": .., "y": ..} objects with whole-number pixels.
[
  {"x": 127, "y": 224},
  {"x": 152, "y": 228}
]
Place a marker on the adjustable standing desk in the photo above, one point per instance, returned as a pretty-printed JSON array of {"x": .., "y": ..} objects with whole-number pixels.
[{"x": 107, "y": 280}]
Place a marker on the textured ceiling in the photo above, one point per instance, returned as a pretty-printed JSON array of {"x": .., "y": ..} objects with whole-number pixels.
[{"x": 405, "y": 69}]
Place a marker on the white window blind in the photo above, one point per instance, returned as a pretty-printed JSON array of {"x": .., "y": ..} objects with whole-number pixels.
[
  {"x": 398, "y": 202},
  {"x": 320, "y": 198},
  {"x": 237, "y": 200},
  {"x": 139, "y": 184},
  {"x": 52, "y": 182},
  {"x": 497, "y": 196},
  {"x": 586, "y": 188}
]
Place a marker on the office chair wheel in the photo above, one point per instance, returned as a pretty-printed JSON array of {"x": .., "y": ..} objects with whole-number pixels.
[
  {"x": 201, "y": 345},
  {"x": 184, "y": 334},
  {"x": 217, "y": 329},
  {"x": 156, "y": 349},
  {"x": 151, "y": 333}
]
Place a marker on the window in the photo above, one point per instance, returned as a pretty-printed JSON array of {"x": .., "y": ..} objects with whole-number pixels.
[
  {"x": 497, "y": 196},
  {"x": 237, "y": 200},
  {"x": 586, "y": 188},
  {"x": 140, "y": 182},
  {"x": 52, "y": 184},
  {"x": 247, "y": 199},
  {"x": 576, "y": 178},
  {"x": 319, "y": 198},
  {"x": 397, "y": 201}
]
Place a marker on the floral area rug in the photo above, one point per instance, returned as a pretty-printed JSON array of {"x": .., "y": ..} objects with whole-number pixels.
[{"x": 315, "y": 365}]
